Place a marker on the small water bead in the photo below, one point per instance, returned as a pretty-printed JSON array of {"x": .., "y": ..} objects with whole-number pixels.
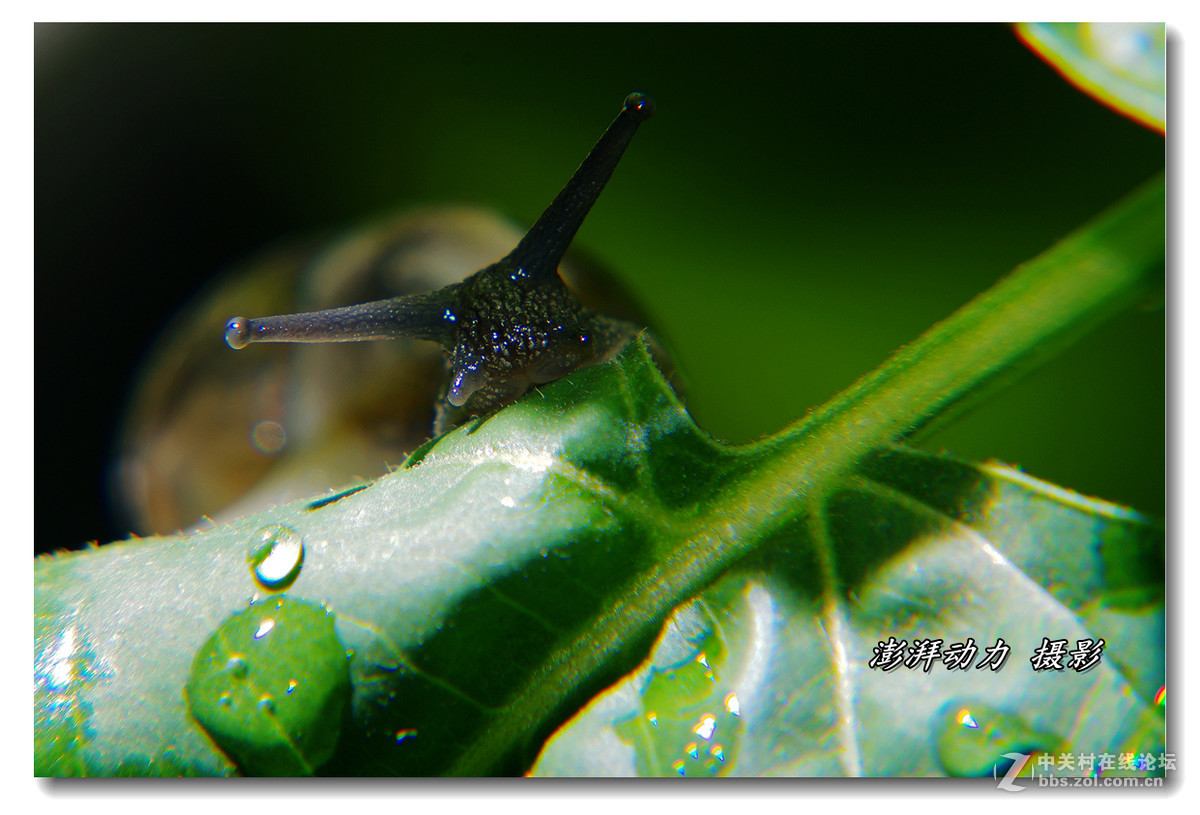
[
  {"x": 275, "y": 557},
  {"x": 972, "y": 738},
  {"x": 387, "y": 665},
  {"x": 236, "y": 666},
  {"x": 689, "y": 724},
  {"x": 266, "y": 704},
  {"x": 237, "y": 332},
  {"x": 171, "y": 762},
  {"x": 407, "y": 733}
]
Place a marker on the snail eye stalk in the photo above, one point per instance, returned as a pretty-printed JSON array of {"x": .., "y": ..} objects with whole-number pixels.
[
  {"x": 420, "y": 316},
  {"x": 542, "y": 248},
  {"x": 507, "y": 327}
]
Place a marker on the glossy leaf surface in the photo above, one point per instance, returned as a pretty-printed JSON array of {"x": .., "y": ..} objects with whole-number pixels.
[
  {"x": 769, "y": 672},
  {"x": 517, "y": 567},
  {"x": 526, "y": 562}
]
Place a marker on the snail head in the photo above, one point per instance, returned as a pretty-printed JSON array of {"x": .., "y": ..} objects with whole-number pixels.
[{"x": 504, "y": 329}]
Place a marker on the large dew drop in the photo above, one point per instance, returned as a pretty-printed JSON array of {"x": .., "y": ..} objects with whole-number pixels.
[
  {"x": 973, "y": 739},
  {"x": 275, "y": 557},
  {"x": 272, "y": 702},
  {"x": 690, "y": 721}
]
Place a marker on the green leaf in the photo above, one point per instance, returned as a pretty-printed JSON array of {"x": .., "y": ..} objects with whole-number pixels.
[
  {"x": 517, "y": 567},
  {"x": 506, "y": 571},
  {"x": 1123, "y": 65},
  {"x": 767, "y": 672}
]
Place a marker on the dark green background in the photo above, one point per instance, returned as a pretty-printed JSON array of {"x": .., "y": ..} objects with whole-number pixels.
[{"x": 808, "y": 198}]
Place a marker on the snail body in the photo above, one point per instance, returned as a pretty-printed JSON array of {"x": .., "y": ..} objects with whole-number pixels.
[
  {"x": 220, "y": 434},
  {"x": 509, "y": 326}
]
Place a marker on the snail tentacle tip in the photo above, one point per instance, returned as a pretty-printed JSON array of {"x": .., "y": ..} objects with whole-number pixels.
[
  {"x": 237, "y": 333},
  {"x": 640, "y": 106}
]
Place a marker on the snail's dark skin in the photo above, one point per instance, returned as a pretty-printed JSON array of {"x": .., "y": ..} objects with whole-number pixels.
[{"x": 505, "y": 328}]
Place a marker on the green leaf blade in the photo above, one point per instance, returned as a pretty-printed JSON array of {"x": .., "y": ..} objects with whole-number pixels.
[
  {"x": 519, "y": 566},
  {"x": 926, "y": 547},
  {"x": 463, "y": 584}
]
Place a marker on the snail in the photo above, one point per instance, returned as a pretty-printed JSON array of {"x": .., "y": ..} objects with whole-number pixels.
[
  {"x": 217, "y": 434},
  {"x": 509, "y": 326}
]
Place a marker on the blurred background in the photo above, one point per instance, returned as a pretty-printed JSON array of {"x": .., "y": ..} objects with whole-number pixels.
[{"x": 808, "y": 199}]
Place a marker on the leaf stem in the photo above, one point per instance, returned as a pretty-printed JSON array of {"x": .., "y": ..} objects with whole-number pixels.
[
  {"x": 1049, "y": 300},
  {"x": 1036, "y": 310},
  {"x": 1023, "y": 320}
]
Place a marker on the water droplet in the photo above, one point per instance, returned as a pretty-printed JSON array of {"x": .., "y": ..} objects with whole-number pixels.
[
  {"x": 972, "y": 740},
  {"x": 508, "y": 501},
  {"x": 236, "y": 666},
  {"x": 171, "y": 762},
  {"x": 275, "y": 734},
  {"x": 678, "y": 765},
  {"x": 268, "y": 437},
  {"x": 1160, "y": 698},
  {"x": 408, "y": 733},
  {"x": 686, "y": 710},
  {"x": 275, "y": 556},
  {"x": 264, "y": 628}
]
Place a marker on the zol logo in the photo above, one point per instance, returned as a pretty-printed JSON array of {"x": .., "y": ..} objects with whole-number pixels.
[{"x": 1018, "y": 763}]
